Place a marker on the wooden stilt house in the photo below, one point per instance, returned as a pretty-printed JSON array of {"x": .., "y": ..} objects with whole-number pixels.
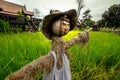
[{"x": 17, "y": 14}]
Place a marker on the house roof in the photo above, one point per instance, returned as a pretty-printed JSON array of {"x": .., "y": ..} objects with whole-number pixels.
[{"x": 12, "y": 8}]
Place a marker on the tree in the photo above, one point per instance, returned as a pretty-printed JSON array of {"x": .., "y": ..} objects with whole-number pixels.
[
  {"x": 87, "y": 15},
  {"x": 80, "y": 6},
  {"x": 87, "y": 19},
  {"x": 101, "y": 23},
  {"x": 112, "y": 16}
]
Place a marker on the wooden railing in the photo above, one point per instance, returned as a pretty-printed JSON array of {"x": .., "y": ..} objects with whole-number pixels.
[
  {"x": 13, "y": 19},
  {"x": 21, "y": 20}
]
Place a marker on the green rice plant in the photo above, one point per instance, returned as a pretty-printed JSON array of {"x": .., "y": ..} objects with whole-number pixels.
[
  {"x": 17, "y": 50},
  {"x": 96, "y": 60},
  {"x": 99, "y": 59}
]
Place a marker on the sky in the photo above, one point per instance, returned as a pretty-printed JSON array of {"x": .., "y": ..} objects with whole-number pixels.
[{"x": 97, "y": 7}]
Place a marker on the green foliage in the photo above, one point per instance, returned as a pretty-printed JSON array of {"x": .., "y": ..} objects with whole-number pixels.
[
  {"x": 87, "y": 19},
  {"x": 28, "y": 17},
  {"x": 16, "y": 28},
  {"x": 111, "y": 17},
  {"x": 101, "y": 23},
  {"x": 4, "y": 26},
  {"x": 86, "y": 24},
  {"x": 98, "y": 60},
  {"x": 87, "y": 14},
  {"x": 20, "y": 13}
]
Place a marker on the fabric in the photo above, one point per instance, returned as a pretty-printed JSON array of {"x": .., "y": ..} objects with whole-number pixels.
[{"x": 63, "y": 73}]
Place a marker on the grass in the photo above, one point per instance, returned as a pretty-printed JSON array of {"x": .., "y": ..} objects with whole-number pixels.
[{"x": 98, "y": 60}]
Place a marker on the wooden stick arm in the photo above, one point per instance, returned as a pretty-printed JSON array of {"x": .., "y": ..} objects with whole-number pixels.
[
  {"x": 89, "y": 29},
  {"x": 29, "y": 71},
  {"x": 82, "y": 38}
]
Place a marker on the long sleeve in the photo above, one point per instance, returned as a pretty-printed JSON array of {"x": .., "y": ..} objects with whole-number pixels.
[{"x": 81, "y": 38}]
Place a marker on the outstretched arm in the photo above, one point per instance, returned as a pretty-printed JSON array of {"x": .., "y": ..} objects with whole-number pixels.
[
  {"x": 29, "y": 71},
  {"x": 81, "y": 38}
]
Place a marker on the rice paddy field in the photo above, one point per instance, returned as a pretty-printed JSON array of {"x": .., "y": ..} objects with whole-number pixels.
[{"x": 99, "y": 59}]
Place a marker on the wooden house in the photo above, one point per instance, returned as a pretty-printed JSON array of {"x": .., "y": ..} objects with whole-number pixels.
[{"x": 17, "y": 14}]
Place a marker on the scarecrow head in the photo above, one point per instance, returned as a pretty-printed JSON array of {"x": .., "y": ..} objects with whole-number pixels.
[{"x": 59, "y": 23}]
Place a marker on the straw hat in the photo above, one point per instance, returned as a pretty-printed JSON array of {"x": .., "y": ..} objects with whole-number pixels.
[{"x": 55, "y": 15}]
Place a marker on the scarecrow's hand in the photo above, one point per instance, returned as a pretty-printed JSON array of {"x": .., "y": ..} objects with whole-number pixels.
[{"x": 82, "y": 38}]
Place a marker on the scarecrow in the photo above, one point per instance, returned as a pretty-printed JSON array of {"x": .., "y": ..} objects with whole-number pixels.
[{"x": 55, "y": 65}]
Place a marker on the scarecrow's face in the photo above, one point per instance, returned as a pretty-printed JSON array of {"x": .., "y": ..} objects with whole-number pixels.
[
  {"x": 61, "y": 27},
  {"x": 64, "y": 27}
]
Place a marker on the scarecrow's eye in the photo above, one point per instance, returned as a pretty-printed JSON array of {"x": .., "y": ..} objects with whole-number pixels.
[
  {"x": 63, "y": 24},
  {"x": 68, "y": 24}
]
